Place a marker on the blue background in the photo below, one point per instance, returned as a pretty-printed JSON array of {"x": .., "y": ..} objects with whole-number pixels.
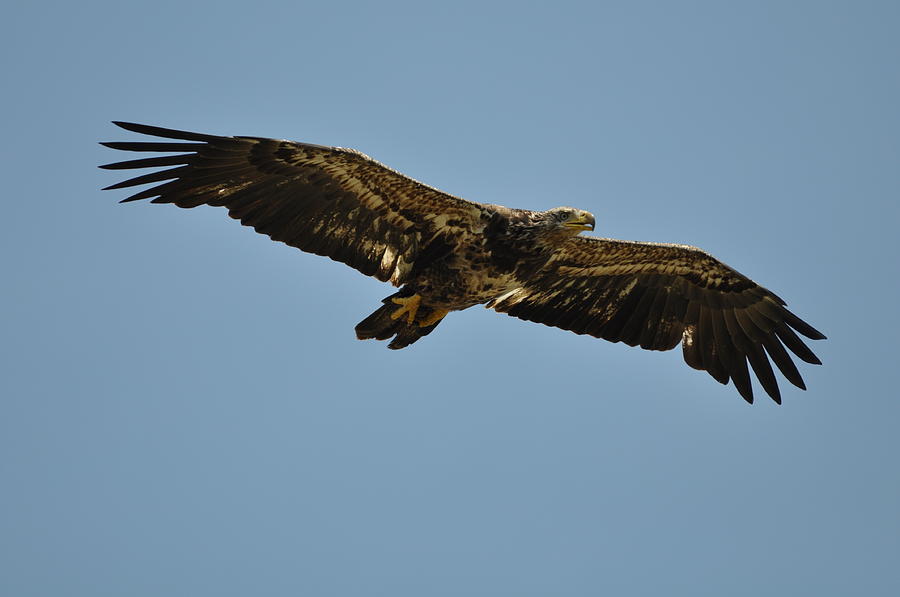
[{"x": 186, "y": 411}]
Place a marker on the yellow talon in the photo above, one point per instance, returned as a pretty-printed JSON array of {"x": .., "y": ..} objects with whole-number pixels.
[
  {"x": 408, "y": 306},
  {"x": 436, "y": 316}
]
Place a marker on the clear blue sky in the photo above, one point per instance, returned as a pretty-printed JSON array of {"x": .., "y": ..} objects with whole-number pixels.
[{"x": 186, "y": 410}]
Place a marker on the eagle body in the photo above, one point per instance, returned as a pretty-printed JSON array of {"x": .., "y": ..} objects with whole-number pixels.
[
  {"x": 507, "y": 247},
  {"x": 447, "y": 254}
]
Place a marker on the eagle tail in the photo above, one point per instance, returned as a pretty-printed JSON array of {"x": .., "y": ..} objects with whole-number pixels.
[{"x": 382, "y": 324}]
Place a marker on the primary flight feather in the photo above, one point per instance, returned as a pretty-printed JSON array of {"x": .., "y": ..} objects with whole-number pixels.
[{"x": 447, "y": 254}]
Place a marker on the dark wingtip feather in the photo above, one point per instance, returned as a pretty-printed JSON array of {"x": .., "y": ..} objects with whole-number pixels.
[
  {"x": 745, "y": 390},
  {"x": 169, "y": 174},
  {"x": 793, "y": 342},
  {"x": 764, "y": 373},
  {"x": 156, "y": 131},
  {"x": 152, "y": 162},
  {"x": 154, "y": 146},
  {"x": 802, "y": 327},
  {"x": 783, "y": 360}
]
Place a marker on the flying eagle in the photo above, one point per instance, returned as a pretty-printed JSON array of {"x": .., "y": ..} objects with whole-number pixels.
[{"x": 447, "y": 254}]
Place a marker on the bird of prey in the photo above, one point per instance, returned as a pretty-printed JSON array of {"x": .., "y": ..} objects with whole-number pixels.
[{"x": 447, "y": 254}]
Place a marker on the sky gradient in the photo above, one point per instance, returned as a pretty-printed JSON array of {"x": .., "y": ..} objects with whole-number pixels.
[{"x": 186, "y": 410}]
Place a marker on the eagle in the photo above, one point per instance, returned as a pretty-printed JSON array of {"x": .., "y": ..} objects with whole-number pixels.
[{"x": 447, "y": 254}]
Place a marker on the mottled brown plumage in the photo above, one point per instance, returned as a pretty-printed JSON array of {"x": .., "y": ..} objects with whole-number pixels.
[{"x": 448, "y": 254}]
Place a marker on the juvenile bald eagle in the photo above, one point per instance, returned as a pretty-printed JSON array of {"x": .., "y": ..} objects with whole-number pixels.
[{"x": 448, "y": 254}]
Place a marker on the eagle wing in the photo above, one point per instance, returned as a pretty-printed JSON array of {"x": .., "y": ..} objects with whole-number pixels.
[
  {"x": 657, "y": 295},
  {"x": 329, "y": 201}
]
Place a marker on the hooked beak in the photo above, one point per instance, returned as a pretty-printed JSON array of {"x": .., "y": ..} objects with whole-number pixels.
[{"x": 582, "y": 222}]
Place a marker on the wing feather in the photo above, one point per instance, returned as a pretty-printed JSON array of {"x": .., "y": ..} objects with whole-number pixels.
[
  {"x": 655, "y": 296},
  {"x": 324, "y": 200}
]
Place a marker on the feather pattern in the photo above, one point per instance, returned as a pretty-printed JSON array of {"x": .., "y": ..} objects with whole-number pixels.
[
  {"x": 325, "y": 200},
  {"x": 654, "y": 295}
]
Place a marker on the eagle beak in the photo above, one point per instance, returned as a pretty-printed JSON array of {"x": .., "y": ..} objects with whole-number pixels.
[{"x": 582, "y": 222}]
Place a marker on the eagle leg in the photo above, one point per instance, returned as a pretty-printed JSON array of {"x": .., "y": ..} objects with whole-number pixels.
[
  {"x": 389, "y": 320},
  {"x": 409, "y": 306},
  {"x": 435, "y": 316}
]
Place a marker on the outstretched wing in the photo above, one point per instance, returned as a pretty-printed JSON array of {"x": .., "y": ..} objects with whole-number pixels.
[
  {"x": 325, "y": 200},
  {"x": 655, "y": 296}
]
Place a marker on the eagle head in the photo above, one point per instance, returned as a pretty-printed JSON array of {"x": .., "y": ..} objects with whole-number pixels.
[{"x": 571, "y": 219}]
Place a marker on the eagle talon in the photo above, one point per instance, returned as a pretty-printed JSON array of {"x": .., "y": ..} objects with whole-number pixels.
[{"x": 408, "y": 306}]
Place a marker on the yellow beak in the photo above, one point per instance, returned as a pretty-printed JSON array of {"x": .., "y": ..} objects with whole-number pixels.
[{"x": 585, "y": 222}]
